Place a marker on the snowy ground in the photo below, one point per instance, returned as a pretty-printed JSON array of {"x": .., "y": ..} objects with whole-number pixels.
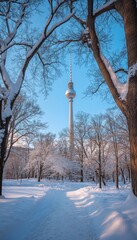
[{"x": 66, "y": 211}]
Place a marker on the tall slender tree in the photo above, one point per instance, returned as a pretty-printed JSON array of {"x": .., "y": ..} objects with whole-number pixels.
[{"x": 81, "y": 128}]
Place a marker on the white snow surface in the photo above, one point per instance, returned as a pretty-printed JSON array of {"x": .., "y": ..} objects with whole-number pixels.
[{"x": 66, "y": 211}]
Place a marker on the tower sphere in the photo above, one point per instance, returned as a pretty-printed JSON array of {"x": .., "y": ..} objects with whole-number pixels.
[{"x": 70, "y": 93}]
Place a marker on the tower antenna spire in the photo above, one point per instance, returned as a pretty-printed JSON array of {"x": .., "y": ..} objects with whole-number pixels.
[{"x": 70, "y": 64}]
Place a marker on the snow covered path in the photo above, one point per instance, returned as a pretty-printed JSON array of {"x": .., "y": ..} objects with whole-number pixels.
[
  {"x": 54, "y": 216},
  {"x": 66, "y": 211},
  {"x": 52, "y": 219}
]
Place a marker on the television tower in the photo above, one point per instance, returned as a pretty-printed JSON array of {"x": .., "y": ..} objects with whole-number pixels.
[{"x": 70, "y": 94}]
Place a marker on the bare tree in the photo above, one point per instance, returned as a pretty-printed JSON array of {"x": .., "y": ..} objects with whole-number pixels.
[
  {"x": 63, "y": 143},
  {"x": 112, "y": 135},
  {"x": 80, "y": 135},
  {"x": 14, "y": 167},
  {"x": 14, "y": 35},
  {"x": 123, "y": 146},
  {"x": 38, "y": 157},
  {"x": 24, "y": 122},
  {"x": 99, "y": 16},
  {"x": 99, "y": 139}
]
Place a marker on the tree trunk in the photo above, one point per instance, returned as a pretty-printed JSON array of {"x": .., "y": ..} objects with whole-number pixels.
[
  {"x": 40, "y": 171},
  {"x": 81, "y": 179},
  {"x": 133, "y": 149},
  {"x": 130, "y": 25},
  {"x": 39, "y": 175},
  {"x": 3, "y": 149},
  {"x": 1, "y": 176},
  {"x": 116, "y": 161},
  {"x": 117, "y": 180},
  {"x": 103, "y": 180},
  {"x": 100, "y": 180},
  {"x": 123, "y": 176},
  {"x": 2, "y": 154},
  {"x": 113, "y": 176},
  {"x": 100, "y": 170},
  {"x": 129, "y": 173},
  {"x": 81, "y": 171}
]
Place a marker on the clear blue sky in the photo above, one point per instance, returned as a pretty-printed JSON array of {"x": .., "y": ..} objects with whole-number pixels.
[{"x": 56, "y": 106}]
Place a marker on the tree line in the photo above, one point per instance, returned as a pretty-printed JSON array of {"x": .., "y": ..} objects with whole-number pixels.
[{"x": 101, "y": 152}]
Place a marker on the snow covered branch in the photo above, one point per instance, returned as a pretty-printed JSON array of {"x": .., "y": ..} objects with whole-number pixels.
[
  {"x": 122, "y": 89},
  {"x": 106, "y": 7},
  {"x": 5, "y": 45},
  {"x": 5, "y": 76}
]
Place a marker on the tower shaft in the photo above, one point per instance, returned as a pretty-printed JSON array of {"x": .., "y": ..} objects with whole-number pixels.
[{"x": 71, "y": 130}]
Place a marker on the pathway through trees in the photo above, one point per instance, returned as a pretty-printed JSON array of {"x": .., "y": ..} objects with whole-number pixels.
[{"x": 56, "y": 216}]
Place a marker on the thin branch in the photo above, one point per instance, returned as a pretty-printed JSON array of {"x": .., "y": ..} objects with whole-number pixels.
[
  {"x": 47, "y": 63},
  {"x": 7, "y": 17},
  {"x": 21, "y": 136},
  {"x": 121, "y": 70},
  {"x": 98, "y": 87},
  {"x": 35, "y": 48},
  {"x": 81, "y": 21}
]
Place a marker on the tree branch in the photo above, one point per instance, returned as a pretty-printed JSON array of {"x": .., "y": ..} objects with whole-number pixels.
[
  {"x": 7, "y": 17},
  {"x": 18, "y": 23},
  {"x": 82, "y": 22},
  {"x": 99, "y": 58},
  {"x": 121, "y": 70},
  {"x": 106, "y": 7},
  {"x": 35, "y": 48},
  {"x": 98, "y": 87}
]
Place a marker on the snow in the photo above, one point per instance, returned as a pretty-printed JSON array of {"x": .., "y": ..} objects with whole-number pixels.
[
  {"x": 122, "y": 88},
  {"x": 132, "y": 71},
  {"x": 61, "y": 165},
  {"x": 65, "y": 210},
  {"x": 5, "y": 74},
  {"x": 86, "y": 31},
  {"x": 1, "y": 134}
]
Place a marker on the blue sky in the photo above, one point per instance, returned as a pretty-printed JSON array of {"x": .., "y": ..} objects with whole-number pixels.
[{"x": 56, "y": 106}]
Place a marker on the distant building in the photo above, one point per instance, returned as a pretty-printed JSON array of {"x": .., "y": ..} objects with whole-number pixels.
[{"x": 14, "y": 167}]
